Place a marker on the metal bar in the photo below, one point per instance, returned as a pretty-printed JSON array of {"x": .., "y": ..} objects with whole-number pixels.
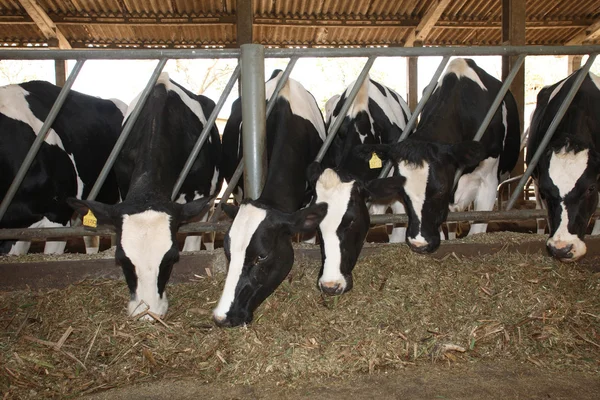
[
  {"x": 137, "y": 54},
  {"x": 40, "y": 138},
  {"x": 240, "y": 168},
  {"x": 348, "y": 102},
  {"x": 254, "y": 117},
  {"x": 495, "y": 104},
  {"x": 126, "y": 130},
  {"x": 552, "y": 128},
  {"x": 415, "y": 115},
  {"x": 205, "y": 132},
  {"x": 197, "y": 227}
]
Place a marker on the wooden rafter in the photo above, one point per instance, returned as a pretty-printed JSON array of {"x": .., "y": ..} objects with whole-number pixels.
[
  {"x": 44, "y": 23},
  {"x": 592, "y": 32},
  {"x": 427, "y": 23}
]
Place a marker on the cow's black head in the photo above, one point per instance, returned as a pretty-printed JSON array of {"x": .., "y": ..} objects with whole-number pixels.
[
  {"x": 567, "y": 181},
  {"x": 424, "y": 179},
  {"x": 146, "y": 244},
  {"x": 259, "y": 249}
]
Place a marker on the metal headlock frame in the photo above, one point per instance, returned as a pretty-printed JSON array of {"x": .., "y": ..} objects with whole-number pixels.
[{"x": 253, "y": 96}]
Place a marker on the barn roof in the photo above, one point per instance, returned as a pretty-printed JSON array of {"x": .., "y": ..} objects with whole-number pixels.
[{"x": 312, "y": 23}]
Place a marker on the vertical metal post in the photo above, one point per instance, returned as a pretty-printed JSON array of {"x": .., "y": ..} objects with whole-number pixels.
[
  {"x": 254, "y": 117},
  {"x": 205, "y": 132},
  {"x": 126, "y": 129},
  {"x": 552, "y": 128},
  {"x": 413, "y": 118},
  {"x": 41, "y": 136},
  {"x": 333, "y": 128},
  {"x": 495, "y": 104}
]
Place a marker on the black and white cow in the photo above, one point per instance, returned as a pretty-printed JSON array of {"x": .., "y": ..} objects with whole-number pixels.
[
  {"x": 377, "y": 115},
  {"x": 69, "y": 160},
  {"x": 147, "y": 220},
  {"x": 258, "y": 243},
  {"x": 568, "y": 171},
  {"x": 425, "y": 163}
]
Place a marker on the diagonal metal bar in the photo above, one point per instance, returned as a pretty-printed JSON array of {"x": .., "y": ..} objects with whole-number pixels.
[
  {"x": 240, "y": 168},
  {"x": 348, "y": 103},
  {"x": 126, "y": 130},
  {"x": 552, "y": 128},
  {"x": 496, "y": 103},
  {"x": 412, "y": 121},
  {"x": 205, "y": 132},
  {"x": 41, "y": 137}
]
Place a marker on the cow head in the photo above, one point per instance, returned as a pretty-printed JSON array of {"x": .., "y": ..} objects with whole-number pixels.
[
  {"x": 343, "y": 230},
  {"x": 146, "y": 245},
  {"x": 424, "y": 180},
  {"x": 258, "y": 247},
  {"x": 567, "y": 180}
]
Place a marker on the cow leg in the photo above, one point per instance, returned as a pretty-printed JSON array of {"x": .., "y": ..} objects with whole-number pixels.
[
  {"x": 19, "y": 248},
  {"x": 378, "y": 209},
  {"x": 485, "y": 200},
  {"x": 466, "y": 192},
  {"x": 92, "y": 244},
  {"x": 596, "y": 230},
  {"x": 398, "y": 232},
  {"x": 541, "y": 223},
  {"x": 53, "y": 246}
]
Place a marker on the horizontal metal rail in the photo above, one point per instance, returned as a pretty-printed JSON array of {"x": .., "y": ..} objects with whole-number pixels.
[
  {"x": 146, "y": 54},
  {"x": 198, "y": 227}
]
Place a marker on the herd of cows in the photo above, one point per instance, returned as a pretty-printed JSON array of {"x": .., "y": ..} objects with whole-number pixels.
[{"x": 333, "y": 197}]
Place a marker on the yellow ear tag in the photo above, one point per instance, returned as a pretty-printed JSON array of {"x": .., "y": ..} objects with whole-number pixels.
[
  {"x": 375, "y": 161},
  {"x": 90, "y": 220}
]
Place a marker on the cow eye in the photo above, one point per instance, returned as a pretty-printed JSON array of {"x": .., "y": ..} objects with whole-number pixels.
[
  {"x": 592, "y": 189},
  {"x": 260, "y": 258}
]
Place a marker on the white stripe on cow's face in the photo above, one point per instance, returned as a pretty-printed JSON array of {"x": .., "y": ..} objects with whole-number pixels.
[
  {"x": 14, "y": 105},
  {"x": 565, "y": 169},
  {"x": 460, "y": 68},
  {"x": 242, "y": 229},
  {"x": 331, "y": 190},
  {"x": 145, "y": 239},
  {"x": 301, "y": 102},
  {"x": 415, "y": 188}
]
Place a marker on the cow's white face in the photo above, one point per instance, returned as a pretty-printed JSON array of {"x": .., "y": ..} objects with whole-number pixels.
[
  {"x": 568, "y": 186},
  {"x": 145, "y": 240}
]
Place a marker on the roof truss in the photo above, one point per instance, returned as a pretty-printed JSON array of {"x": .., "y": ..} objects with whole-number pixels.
[
  {"x": 592, "y": 32},
  {"x": 44, "y": 23},
  {"x": 427, "y": 23}
]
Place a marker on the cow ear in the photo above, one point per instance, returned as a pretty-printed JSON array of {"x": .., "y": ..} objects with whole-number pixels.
[
  {"x": 385, "y": 187},
  {"x": 230, "y": 209},
  {"x": 467, "y": 154},
  {"x": 313, "y": 172},
  {"x": 102, "y": 212},
  {"x": 307, "y": 220},
  {"x": 193, "y": 209}
]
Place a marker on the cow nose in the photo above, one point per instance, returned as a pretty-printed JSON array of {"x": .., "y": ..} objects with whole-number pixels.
[
  {"x": 561, "y": 250},
  {"x": 221, "y": 321},
  {"x": 418, "y": 246}
]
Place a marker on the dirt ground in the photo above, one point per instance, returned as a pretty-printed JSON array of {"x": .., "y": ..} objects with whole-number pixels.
[{"x": 479, "y": 380}]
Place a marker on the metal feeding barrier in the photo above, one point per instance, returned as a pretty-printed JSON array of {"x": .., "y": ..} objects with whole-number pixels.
[{"x": 251, "y": 69}]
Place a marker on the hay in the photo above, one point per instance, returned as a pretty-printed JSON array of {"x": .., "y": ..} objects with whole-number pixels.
[{"x": 405, "y": 309}]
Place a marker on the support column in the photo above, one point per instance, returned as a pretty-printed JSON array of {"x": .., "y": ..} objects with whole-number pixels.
[
  {"x": 244, "y": 21},
  {"x": 60, "y": 72},
  {"x": 253, "y": 115},
  {"x": 513, "y": 34},
  {"x": 412, "y": 78},
  {"x": 574, "y": 63}
]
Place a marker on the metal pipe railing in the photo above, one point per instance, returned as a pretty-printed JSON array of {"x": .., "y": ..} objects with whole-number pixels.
[
  {"x": 126, "y": 130},
  {"x": 137, "y": 54},
  {"x": 412, "y": 121},
  {"x": 40, "y": 138},
  {"x": 552, "y": 128},
  {"x": 347, "y": 104},
  {"x": 205, "y": 132}
]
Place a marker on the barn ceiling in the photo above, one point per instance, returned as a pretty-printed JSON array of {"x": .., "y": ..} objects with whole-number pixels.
[{"x": 312, "y": 23}]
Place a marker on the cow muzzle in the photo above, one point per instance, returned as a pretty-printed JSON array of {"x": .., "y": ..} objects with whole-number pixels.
[{"x": 566, "y": 251}]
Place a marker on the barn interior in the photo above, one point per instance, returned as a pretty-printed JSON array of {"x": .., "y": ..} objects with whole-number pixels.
[{"x": 492, "y": 314}]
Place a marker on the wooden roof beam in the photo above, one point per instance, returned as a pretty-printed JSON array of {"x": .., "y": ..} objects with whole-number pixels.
[
  {"x": 44, "y": 23},
  {"x": 592, "y": 32},
  {"x": 420, "y": 33}
]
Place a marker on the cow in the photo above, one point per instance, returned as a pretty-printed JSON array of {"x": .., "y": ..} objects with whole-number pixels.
[
  {"x": 68, "y": 162},
  {"x": 146, "y": 221},
  {"x": 426, "y": 162},
  {"x": 258, "y": 244},
  {"x": 377, "y": 115},
  {"x": 567, "y": 173}
]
